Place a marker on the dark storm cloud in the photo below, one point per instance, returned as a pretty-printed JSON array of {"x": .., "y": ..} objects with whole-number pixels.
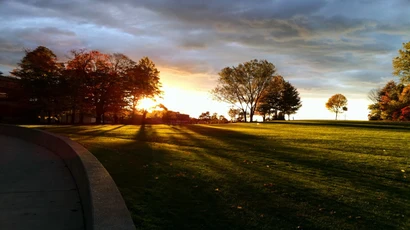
[{"x": 322, "y": 37}]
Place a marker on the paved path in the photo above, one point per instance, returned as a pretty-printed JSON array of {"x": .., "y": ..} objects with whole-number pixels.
[{"x": 37, "y": 190}]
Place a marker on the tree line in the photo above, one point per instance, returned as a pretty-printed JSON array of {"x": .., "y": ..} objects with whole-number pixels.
[
  {"x": 89, "y": 82},
  {"x": 392, "y": 102}
]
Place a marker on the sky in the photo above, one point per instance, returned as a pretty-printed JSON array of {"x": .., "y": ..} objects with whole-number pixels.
[{"x": 322, "y": 47}]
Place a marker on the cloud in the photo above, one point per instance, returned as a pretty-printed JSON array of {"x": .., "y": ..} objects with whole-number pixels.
[{"x": 318, "y": 44}]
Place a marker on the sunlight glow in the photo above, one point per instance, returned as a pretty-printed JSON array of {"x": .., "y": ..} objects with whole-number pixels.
[{"x": 147, "y": 104}]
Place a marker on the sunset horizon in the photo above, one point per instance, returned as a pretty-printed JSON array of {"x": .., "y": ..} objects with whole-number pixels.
[{"x": 318, "y": 46}]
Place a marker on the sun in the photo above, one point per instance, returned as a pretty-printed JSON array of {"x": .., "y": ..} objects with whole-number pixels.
[{"x": 146, "y": 104}]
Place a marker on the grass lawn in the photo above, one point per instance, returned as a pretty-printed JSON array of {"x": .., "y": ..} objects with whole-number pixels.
[{"x": 281, "y": 175}]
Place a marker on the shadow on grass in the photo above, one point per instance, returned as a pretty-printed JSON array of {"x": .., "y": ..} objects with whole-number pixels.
[
  {"x": 184, "y": 195},
  {"x": 205, "y": 177},
  {"x": 404, "y": 126}
]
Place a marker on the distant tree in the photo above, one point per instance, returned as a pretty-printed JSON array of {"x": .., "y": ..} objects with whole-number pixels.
[
  {"x": 233, "y": 113},
  {"x": 375, "y": 112},
  {"x": 390, "y": 104},
  {"x": 280, "y": 95},
  {"x": 243, "y": 85},
  {"x": 222, "y": 119},
  {"x": 336, "y": 103},
  {"x": 206, "y": 116},
  {"x": 40, "y": 74},
  {"x": 393, "y": 100},
  {"x": 401, "y": 64},
  {"x": 289, "y": 101},
  {"x": 242, "y": 116},
  {"x": 344, "y": 110},
  {"x": 214, "y": 118},
  {"x": 263, "y": 110},
  {"x": 271, "y": 98}
]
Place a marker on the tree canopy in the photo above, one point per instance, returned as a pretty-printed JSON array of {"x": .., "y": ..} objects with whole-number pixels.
[
  {"x": 243, "y": 85},
  {"x": 336, "y": 103},
  {"x": 281, "y": 96},
  {"x": 289, "y": 101},
  {"x": 392, "y": 102},
  {"x": 401, "y": 64},
  {"x": 40, "y": 75},
  {"x": 90, "y": 82}
]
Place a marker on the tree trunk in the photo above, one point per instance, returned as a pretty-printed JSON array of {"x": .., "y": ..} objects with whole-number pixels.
[
  {"x": 42, "y": 116},
  {"x": 115, "y": 118},
  {"x": 81, "y": 121},
  {"x": 264, "y": 117},
  {"x": 99, "y": 113},
  {"x": 49, "y": 117},
  {"x": 336, "y": 115},
  {"x": 98, "y": 118},
  {"x": 244, "y": 115},
  {"x": 134, "y": 103},
  {"x": 144, "y": 115},
  {"x": 73, "y": 115}
]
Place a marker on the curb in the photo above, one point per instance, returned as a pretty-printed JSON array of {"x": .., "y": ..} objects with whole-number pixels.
[{"x": 104, "y": 207}]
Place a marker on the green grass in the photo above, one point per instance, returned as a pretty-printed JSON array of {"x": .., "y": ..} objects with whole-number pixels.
[{"x": 282, "y": 175}]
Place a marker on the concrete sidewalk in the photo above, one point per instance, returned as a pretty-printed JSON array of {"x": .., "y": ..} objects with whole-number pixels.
[{"x": 37, "y": 190}]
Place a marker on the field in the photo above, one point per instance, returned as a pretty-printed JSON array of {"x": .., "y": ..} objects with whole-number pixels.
[{"x": 280, "y": 175}]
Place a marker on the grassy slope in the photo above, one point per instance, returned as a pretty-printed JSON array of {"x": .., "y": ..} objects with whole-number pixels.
[{"x": 285, "y": 175}]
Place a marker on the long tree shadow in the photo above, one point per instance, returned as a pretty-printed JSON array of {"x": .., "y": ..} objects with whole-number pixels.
[
  {"x": 182, "y": 177},
  {"x": 359, "y": 178},
  {"x": 404, "y": 126}
]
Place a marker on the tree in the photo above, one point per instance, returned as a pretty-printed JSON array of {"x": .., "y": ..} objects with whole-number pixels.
[
  {"x": 401, "y": 64},
  {"x": 271, "y": 98},
  {"x": 289, "y": 101},
  {"x": 222, "y": 119},
  {"x": 336, "y": 103},
  {"x": 344, "y": 109},
  {"x": 374, "y": 95},
  {"x": 393, "y": 99},
  {"x": 77, "y": 77},
  {"x": 280, "y": 95},
  {"x": 40, "y": 74},
  {"x": 98, "y": 79},
  {"x": 206, "y": 116},
  {"x": 116, "y": 102},
  {"x": 214, "y": 118},
  {"x": 243, "y": 85},
  {"x": 233, "y": 113},
  {"x": 142, "y": 82},
  {"x": 390, "y": 101},
  {"x": 110, "y": 83}
]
